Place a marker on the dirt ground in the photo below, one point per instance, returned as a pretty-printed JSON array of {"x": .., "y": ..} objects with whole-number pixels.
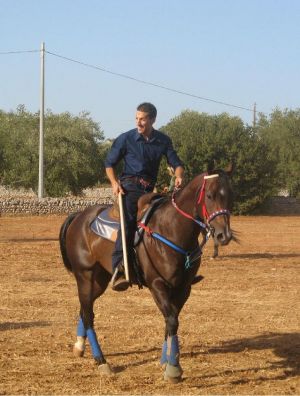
[{"x": 239, "y": 331}]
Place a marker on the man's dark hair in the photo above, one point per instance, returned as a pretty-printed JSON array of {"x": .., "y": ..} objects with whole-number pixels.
[{"x": 148, "y": 108}]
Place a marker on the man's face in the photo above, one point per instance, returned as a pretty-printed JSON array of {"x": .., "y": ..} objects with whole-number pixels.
[{"x": 144, "y": 123}]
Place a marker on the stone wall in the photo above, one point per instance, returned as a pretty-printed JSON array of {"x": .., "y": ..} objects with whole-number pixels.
[
  {"x": 281, "y": 206},
  {"x": 26, "y": 202}
]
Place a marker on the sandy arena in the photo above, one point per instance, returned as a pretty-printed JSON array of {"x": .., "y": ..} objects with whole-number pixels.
[{"x": 239, "y": 331}]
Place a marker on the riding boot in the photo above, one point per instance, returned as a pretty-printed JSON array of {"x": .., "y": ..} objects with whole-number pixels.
[{"x": 119, "y": 282}]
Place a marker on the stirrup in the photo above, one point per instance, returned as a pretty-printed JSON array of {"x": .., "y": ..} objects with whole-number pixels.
[{"x": 118, "y": 281}]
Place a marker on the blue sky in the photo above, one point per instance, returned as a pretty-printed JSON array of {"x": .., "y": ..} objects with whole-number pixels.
[{"x": 232, "y": 51}]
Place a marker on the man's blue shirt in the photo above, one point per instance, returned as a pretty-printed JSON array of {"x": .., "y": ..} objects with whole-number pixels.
[{"x": 142, "y": 157}]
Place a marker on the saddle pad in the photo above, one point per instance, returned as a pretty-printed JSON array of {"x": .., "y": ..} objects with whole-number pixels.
[{"x": 104, "y": 226}]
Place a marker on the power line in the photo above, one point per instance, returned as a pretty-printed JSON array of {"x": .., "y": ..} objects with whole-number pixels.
[
  {"x": 132, "y": 78},
  {"x": 147, "y": 82},
  {"x": 18, "y": 52}
]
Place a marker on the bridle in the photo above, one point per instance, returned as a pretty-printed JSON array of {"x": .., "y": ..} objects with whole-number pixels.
[
  {"x": 201, "y": 202},
  {"x": 191, "y": 256}
]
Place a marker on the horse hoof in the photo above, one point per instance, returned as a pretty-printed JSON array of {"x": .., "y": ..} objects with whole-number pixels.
[
  {"x": 163, "y": 366},
  {"x": 106, "y": 369},
  {"x": 173, "y": 373},
  {"x": 78, "y": 352},
  {"x": 172, "y": 380}
]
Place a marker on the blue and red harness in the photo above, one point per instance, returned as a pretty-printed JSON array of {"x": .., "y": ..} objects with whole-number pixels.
[{"x": 190, "y": 256}]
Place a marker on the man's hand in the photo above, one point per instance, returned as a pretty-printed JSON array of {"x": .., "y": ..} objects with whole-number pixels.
[
  {"x": 178, "y": 182},
  {"x": 116, "y": 187},
  {"x": 179, "y": 171}
]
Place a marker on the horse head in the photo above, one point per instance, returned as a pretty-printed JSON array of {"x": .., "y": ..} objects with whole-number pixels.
[{"x": 215, "y": 202}]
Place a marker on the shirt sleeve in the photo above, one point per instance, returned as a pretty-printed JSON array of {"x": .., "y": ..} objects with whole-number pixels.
[
  {"x": 172, "y": 156},
  {"x": 116, "y": 152}
]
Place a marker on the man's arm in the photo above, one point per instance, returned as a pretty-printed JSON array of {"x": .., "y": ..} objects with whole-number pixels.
[
  {"x": 116, "y": 187},
  {"x": 179, "y": 172},
  {"x": 174, "y": 161}
]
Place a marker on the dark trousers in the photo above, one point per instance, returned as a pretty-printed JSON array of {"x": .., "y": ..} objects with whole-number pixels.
[{"x": 133, "y": 191}]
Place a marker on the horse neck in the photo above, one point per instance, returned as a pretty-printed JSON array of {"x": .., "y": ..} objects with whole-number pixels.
[{"x": 186, "y": 198}]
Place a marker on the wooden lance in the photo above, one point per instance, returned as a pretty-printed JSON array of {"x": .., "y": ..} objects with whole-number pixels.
[{"x": 123, "y": 233}]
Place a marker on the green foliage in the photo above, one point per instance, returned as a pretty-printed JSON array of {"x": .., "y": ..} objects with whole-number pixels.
[
  {"x": 73, "y": 151},
  {"x": 72, "y": 155},
  {"x": 281, "y": 132},
  {"x": 266, "y": 158},
  {"x": 201, "y": 139},
  {"x": 19, "y": 148}
]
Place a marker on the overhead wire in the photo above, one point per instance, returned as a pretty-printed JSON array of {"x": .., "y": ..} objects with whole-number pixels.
[
  {"x": 147, "y": 82},
  {"x": 122, "y": 75},
  {"x": 17, "y": 52}
]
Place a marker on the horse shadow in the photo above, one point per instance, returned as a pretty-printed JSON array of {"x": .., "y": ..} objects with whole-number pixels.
[
  {"x": 46, "y": 239},
  {"x": 286, "y": 346},
  {"x": 119, "y": 368},
  {"x": 5, "y": 326}
]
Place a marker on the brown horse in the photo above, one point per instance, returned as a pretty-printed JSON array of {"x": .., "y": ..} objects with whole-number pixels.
[{"x": 169, "y": 256}]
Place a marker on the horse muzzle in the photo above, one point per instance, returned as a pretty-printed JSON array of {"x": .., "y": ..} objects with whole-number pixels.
[
  {"x": 223, "y": 238},
  {"x": 221, "y": 232}
]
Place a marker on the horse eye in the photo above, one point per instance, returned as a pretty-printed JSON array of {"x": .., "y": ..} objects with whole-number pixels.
[{"x": 209, "y": 196}]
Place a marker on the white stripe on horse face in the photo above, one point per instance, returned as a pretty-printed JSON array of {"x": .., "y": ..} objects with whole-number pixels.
[
  {"x": 210, "y": 176},
  {"x": 222, "y": 191}
]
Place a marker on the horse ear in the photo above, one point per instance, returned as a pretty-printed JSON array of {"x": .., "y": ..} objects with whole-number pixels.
[
  {"x": 210, "y": 165},
  {"x": 229, "y": 169}
]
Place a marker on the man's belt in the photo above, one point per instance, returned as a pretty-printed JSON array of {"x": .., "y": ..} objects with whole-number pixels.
[{"x": 138, "y": 179}]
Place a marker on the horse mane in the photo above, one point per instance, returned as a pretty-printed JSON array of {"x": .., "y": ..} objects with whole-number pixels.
[{"x": 223, "y": 173}]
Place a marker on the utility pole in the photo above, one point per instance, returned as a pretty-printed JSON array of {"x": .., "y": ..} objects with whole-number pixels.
[
  {"x": 42, "y": 102},
  {"x": 254, "y": 115}
]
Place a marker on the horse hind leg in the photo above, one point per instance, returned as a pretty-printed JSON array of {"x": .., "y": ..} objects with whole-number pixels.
[
  {"x": 79, "y": 346},
  {"x": 91, "y": 284}
]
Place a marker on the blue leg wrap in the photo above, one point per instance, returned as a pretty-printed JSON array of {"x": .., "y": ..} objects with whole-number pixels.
[
  {"x": 173, "y": 350},
  {"x": 96, "y": 350},
  {"x": 81, "y": 332},
  {"x": 164, "y": 358}
]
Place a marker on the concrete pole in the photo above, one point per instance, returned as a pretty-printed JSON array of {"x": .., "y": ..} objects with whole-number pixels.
[
  {"x": 42, "y": 102},
  {"x": 254, "y": 115}
]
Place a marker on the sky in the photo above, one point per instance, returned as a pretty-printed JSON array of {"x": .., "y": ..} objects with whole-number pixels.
[{"x": 238, "y": 52}]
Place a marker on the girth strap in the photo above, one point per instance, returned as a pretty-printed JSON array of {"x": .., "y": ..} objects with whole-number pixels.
[{"x": 190, "y": 257}]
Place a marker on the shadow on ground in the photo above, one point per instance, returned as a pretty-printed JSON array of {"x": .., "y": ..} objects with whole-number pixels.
[
  {"x": 22, "y": 325},
  {"x": 286, "y": 346}
]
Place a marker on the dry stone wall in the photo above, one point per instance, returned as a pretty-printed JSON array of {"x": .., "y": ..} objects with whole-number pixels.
[
  {"x": 26, "y": 202},
  {"x": 283, "y": 206}
]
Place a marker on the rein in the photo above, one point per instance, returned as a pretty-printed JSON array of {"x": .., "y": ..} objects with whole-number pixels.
[
  {"x": 201, "y": 201},
  {"x": 190, "y": 257}
]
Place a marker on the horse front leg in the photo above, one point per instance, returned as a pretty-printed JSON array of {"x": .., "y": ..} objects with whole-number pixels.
[
  {"x": 216, "y": 250},
  {"x": 170, "y": 350},
  {"x": 85, "y": 327}
]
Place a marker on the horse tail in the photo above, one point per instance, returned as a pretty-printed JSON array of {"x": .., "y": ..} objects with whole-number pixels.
[{"x": 62, "y": 240}]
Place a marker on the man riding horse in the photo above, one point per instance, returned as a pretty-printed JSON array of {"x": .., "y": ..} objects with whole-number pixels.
[{"x": 141, "y": 149}]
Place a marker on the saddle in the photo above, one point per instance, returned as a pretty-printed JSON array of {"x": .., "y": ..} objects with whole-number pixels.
[
  {"x": 146, "y": 207},
  {"x": 107, "y": 222},
  {"x": 107, "y": 225}
]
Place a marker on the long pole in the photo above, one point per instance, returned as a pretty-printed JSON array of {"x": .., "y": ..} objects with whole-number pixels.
[
  {"x": 254, "y": 115},
  {"x": 124, "y": 242},
  {"x": 42, "y": 103}
]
